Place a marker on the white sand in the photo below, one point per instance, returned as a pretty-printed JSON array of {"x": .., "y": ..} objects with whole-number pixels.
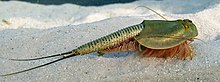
[{"x": 36, "y": 30}]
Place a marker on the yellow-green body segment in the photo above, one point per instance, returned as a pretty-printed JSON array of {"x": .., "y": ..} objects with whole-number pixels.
[{"x": 110, "y": 40}]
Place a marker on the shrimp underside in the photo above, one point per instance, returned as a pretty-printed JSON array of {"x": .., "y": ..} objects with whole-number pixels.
[{"x": 182, "y": 50}]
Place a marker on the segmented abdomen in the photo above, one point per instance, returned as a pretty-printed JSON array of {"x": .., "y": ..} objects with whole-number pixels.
[{"x": 111, "y": 39}]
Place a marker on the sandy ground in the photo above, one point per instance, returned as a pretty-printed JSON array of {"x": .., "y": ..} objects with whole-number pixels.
[{"x": 25, "y": 33}]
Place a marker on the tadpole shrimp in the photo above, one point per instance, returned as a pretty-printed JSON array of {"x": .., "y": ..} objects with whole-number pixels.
[{"x": 151, "y": 38}]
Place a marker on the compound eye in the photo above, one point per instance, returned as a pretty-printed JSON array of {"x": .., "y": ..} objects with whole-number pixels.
[
  {"x": 185, "y": 24},
  {"x": 188, "y": 20}
]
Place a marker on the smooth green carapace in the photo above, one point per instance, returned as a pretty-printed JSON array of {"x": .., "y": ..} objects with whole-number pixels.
[{"x": 162, "y": 34}]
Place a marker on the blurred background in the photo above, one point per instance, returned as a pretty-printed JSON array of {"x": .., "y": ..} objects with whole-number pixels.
[{"x": 77, "y": 2}]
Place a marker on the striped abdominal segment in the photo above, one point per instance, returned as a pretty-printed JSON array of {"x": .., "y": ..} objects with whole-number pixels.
[{"x": 112, "y": 40}]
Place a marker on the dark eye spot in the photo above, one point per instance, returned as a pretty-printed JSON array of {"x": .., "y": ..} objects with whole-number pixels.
[
  {"x": 190, "y": 21},
  {"x": 187, "y": 20}
]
